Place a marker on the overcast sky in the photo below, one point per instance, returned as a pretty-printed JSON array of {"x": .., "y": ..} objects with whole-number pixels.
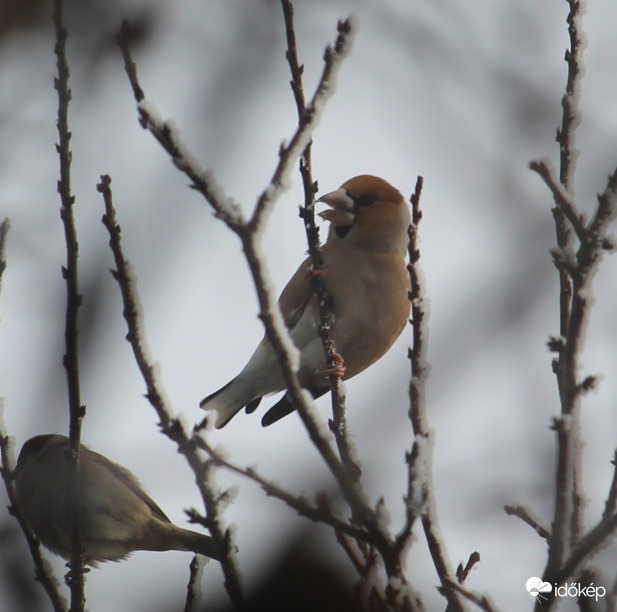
[{"x": 465, "y": 94}]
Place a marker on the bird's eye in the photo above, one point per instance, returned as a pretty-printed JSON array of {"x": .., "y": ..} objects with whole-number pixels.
[{"x": 365, "y": 200}]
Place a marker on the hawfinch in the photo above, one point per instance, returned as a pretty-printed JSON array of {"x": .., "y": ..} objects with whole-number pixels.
[
  {"x": 365, "y": 273},
  {"x": 116, "y": 516}
]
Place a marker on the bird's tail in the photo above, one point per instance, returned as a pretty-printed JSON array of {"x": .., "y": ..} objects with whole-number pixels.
[
  {"x": 184, "y": 539},
  {"x": 227, "y": 401}
]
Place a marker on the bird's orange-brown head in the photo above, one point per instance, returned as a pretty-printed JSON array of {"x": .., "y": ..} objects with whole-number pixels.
[{"x": 368, "y": 212}]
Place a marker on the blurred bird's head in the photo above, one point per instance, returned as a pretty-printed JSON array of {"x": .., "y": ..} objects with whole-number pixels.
[{"x": 368, "y": 212}]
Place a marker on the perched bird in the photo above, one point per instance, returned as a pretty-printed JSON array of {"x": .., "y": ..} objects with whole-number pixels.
[
  {"x": 365, "y": 272},
  {"x": 116, "y": 516}
]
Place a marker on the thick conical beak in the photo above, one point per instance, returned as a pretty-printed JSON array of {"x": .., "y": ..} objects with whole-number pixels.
[{"x": 342, "y": 206}]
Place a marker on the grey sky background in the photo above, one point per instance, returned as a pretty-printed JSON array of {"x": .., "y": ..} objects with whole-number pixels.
[{"x": 465, "y": 94}]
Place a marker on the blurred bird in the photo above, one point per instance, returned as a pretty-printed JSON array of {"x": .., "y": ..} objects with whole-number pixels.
[
  {"x": 116, "y": 516},
  {"x": 365, "y": 272}
]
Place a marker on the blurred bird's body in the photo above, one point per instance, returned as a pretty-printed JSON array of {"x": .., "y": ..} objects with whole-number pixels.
[
  {"x": 364, "y": 271},
  {"x": 116, "y": 516}
]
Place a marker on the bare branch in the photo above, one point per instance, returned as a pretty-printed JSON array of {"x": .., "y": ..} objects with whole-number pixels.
[
  {"x": 417, "y": 413},
  {"x": 568, "y": 547},
  {"x": 4, "y": 230},
  {"x": 192, "y": 588},
  {"x": 596, "y": 539},
  {"x": 320, "y": 513},
  {"x": 462, "y": 573},
  {"x": 75, "y": 577},
  {"x": 338, "y": 425},
  {"x": 201, "y": 180},
  {"x": 611, "y": 503},
  {"x": 573, "y": 305},
  {"x": 567, "y": 153},
  {"x": 418, "y": 354},
  {"x": 482, "y": 601},
  {"x": 355, "y": 555},
  {"x": 333, "y": 58},
  {"x": 524, "y": 514},
  {"x": 605, "y": 213},
  {"x": 169, "y": 424},
  {"x": 571, "y": 116},
  {"x": 561, "y": 196}
]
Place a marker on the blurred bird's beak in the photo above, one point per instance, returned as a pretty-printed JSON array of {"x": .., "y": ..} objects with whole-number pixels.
[{"x": 343, "y": 212}]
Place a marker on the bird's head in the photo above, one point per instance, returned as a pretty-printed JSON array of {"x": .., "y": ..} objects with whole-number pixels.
[
  {"x": 34, "y": 447},
  {"x": 369, "y": 212}
]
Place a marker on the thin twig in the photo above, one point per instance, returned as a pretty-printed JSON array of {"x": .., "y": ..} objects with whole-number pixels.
[
  {"x": 596, "y": 539},
  {"x": 288, "y": 154},
  {"x": 192, "y": 587},
  {"x": 571, "y": 116},
  {"x": 567, "y": 519},
  {"x": 323, "y": 297},
  {"x": 523, "y": 513},
  {"x": 4, "y": 230},
  {"x": 155, "y": 394},
  {"x": 604, "y": 215},
  {"x": 567, "y": 154},
  {"x": 561, "y": 196},
  {"x": 358, "y": 560},
  {"x": 418, "y": 354},
  {"x": 417, "y": 413},
  {"x": 568, "y": 548},
  {"x": 462, "y": 573},
  {"x": 610, "y": 507},
  {"x": 482, "y": 601},
  {"x": 75, "y": 577},
  {"x": 320, "y": 513},
  {"x": 202, "y": 180}
]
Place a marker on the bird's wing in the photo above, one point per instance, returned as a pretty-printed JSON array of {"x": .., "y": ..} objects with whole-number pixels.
[
  {"x": 124, "y": 477},
  {"x": 296, "y": 295}
]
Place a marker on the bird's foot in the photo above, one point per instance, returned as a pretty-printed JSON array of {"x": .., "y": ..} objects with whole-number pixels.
[
  {"x": 336, "y": 369},
  {"x": 314, "y": 272}
]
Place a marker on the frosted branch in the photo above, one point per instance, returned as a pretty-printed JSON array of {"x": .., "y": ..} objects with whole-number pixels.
[
  {"x": 527, "y": 517},
  {"x": 481, "y": 601},
  {"x": 569, "y": 548},
  {"x": 168, "y": 136},
  {"x": 318, "y": 513},
  {"x": 193, "y": 587},
  {"x": 309, "y": 119},
  {"x": 157, "y": 397},
  {"x": 561, "y": 196},
  {"x": 611, "y": 503},
  {"x": 420, "y": 495}
]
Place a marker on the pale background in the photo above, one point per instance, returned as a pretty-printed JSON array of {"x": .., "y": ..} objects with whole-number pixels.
[{"x": 464, "y": 94}]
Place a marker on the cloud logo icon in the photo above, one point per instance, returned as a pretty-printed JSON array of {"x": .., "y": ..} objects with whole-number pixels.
[{"x": 536, "y": 586}]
